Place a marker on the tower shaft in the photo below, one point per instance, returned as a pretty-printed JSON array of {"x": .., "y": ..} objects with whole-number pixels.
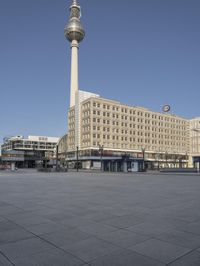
[
  {"x": 75, "y": 33},
  {"x": 74, "y": 72}
]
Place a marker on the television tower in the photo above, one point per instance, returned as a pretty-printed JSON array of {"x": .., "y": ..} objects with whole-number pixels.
[{"x": 75, "y": 33}]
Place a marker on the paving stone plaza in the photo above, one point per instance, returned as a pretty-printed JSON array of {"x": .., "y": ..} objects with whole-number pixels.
[{"x": 99, "y": 219}]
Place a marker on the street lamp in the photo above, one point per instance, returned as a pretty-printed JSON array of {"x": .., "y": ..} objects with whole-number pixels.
[
  {"x": 56, "y": 157},
  {"x": 197, "y": 130},
  {"x": 166, "y": 158},
  {"x": 158, "y": 161},
  {"x": 101, "y": 155},
  {"x": 186, "y": 158},
  {"x": 143, "y": 159},
  {"x": 77, "y": 158}
]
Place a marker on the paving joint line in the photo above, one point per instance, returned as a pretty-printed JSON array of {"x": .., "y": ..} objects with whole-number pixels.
[{"x": 6, "y": 258}]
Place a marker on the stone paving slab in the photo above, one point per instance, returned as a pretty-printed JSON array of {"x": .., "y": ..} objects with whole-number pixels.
[
  {"x": 8, "y": 225},
  {"x": 126, "y": 220},
  {"x": 90, "y": 249},
  {"x": 76, "y": 221},
  {"x": 65, "y": 237},
  {"x": 125, "y": 258},
  {"x": 24, "y": 248},
  {"x": 191, "y": 227},
  {"x": 97, "y": 228},
  {"x": 150, "y": 229},
  {"x": 4, "y": 261},
  {"x": 160, "y": 250},
  {"x": 53, "y": 257},
  {"x": 181, "y": 238},
  {"x": 14, "y": 235},
  {"x": 191, "y": 259},
  {"x": 123, "y": 238},
  {"x": 45, "y": 228}
]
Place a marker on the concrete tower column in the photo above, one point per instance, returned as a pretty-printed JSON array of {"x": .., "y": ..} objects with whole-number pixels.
[
  {"x": 75, "y": 33},
  {"x": 74, "y": 72}
]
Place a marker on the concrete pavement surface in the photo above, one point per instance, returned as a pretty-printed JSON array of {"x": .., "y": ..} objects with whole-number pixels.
[{"x": 99, "y": 219}]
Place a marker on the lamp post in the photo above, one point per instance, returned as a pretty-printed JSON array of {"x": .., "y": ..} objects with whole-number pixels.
[
  {"x": 186, "y": 157},
  {"x": 143, "y": 159},
  {"x": 158, "y": 158},
  {"x": 77, "y": 158},
  {"x": 166, "y": 158},
  {"x": 56, "y": 157},
  {"x": 197, "y": 130},
  {"x": 101, "y": 155}
]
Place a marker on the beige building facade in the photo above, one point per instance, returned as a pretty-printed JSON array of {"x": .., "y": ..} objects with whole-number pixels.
[
  {"x": 195, "y": 136},
  {"x": 123, "y": 129},
  {"x": 195, "y": 142}
]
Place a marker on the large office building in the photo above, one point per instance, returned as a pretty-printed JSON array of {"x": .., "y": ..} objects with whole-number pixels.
[
  {"x": 119, "y": 135},
  {"x": 27, "y": 152},
  {"x": 162, "y": 139}
]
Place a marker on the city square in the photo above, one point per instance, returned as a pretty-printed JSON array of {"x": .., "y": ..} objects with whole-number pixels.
[
  {"x": 100, "y": 137},
  {"x": 98, "y": 219}
]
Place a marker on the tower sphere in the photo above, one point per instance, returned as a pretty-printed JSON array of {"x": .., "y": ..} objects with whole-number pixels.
[{"x": 74, "y": 30}]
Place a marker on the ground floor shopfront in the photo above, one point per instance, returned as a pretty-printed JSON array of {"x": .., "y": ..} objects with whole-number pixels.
[
  {"x": 124, "y": 162},
  {"x": 108, "y": 164},
  {"x": 12, "y": 159}
]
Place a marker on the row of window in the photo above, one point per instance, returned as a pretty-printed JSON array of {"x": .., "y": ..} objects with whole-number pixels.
[
  {"x": 139, "y": 147},
  {"x": 122, "y": 138},
  {"x": 139, "y": 113},
  {"x": 117, "y": 130},
  {"x": 131, "y": 118}
]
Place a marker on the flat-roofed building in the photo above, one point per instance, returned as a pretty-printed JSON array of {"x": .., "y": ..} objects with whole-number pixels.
[
  {"x": 123, "y": 129},
  {"x": 26, "y": 152}
]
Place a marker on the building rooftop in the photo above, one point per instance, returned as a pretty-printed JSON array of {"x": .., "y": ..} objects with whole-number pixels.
[{"x": 134, "y": 106}]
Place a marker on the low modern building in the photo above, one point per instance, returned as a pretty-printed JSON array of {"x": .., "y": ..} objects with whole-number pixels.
[{"x": 23, "y": 152}]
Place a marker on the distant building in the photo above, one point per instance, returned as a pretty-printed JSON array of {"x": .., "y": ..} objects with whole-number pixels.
[
  {"x": 62, "y": 151},
  {"x": 1, "y": 164},
  {"x": 62, "y": 146},
  {"x": 195, "y": 141},
  {"x": 28, "y": 152}
]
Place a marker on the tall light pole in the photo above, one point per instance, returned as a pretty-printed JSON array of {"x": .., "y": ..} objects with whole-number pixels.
[
  {"x": 57, "y": 157},
  {"x": 101, "y": 155},
  {"x": 197, "y": 130},
  {"x": 166, "y": 158},
  {"x": 77, "y": 162},
  {"x": 143, "y": 159},
  {"x": 158, "y": 163},
  {"x": 186, "y": 157}
]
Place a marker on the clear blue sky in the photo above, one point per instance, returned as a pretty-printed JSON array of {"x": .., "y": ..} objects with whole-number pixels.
[{"x": 141, "y": 52}]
